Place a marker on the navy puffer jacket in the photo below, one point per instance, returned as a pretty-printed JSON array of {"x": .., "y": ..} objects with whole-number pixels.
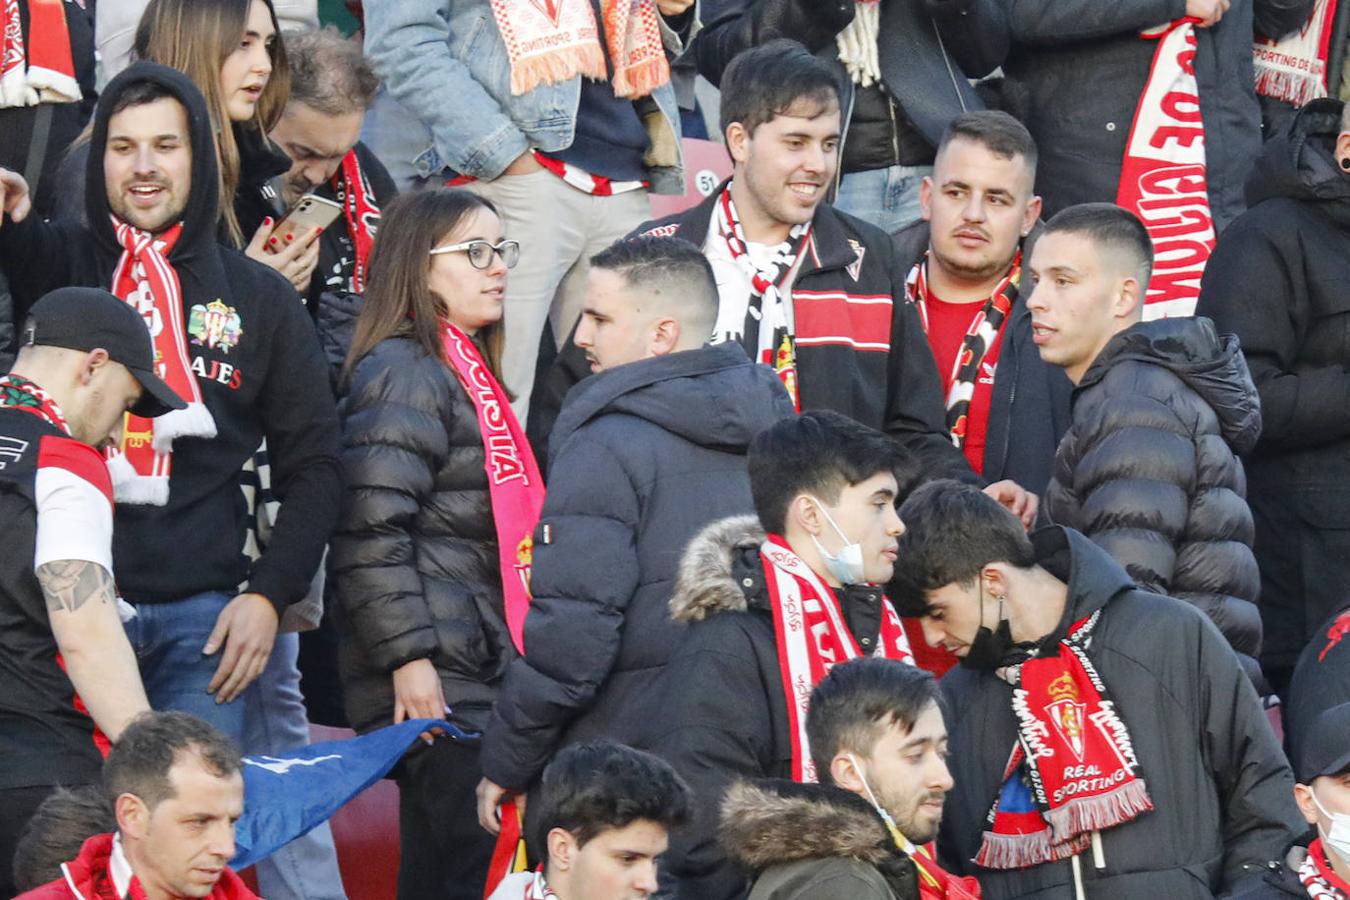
[{"x": 1149, "y": 468}]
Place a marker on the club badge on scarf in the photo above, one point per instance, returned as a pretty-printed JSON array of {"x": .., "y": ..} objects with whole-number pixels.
[
  {"x": 1073, "y": 770},
  {"x": 146, "y": 281},
  {"x": 548, "y": 41},
  {"x": 1163, "y": 177},
  {"x": 981, "y": 336},
  {"x": 44, "y": 70},
  {"x": 813, "y": 638},
  {"x": 514, "y": 484},
  {"x": 1294, "y": 69}
]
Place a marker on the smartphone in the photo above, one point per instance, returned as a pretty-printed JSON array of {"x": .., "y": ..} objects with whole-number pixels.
[{"x": 309, "y": 212}]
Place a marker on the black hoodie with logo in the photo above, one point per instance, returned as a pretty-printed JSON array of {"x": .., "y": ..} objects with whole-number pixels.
[{"x": 269, "y": 381}]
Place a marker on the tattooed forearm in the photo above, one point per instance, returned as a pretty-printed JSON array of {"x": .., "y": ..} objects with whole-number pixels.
[{"x": 71, "y": 583}]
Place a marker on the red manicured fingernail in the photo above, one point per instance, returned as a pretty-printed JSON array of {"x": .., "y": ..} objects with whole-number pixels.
[{"x": 289, "y": 238}]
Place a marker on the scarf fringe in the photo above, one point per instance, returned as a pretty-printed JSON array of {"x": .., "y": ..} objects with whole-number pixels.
[
  {"x": 1288, "y": 85},
  {"x": 1022, "y": 851},
  {"x": 552, "y": 68},
  {"x": 193, "y": 421},
  {"x": 134, "y": 489},
  {"x": 53, "y": 86},
  {"x": 1088, "y": 814},
  {"x": 14, "y": 90},
  {"x": 641, "y": 80}
]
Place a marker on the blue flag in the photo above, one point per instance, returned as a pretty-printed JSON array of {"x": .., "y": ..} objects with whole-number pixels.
[{"x": 286, "y": 796}]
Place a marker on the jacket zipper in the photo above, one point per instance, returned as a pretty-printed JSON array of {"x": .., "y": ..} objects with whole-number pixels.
[{"x": 895, "y": 131}]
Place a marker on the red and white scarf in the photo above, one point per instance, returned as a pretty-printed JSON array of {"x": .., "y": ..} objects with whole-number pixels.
[
  {"x": 363, "y": 215},
  {"x": 982, "y": 335},
  {"x": 1073, "y": 755},
  {"x": 1318, "y": 878},
  {"x": 538, "y": 889},
  {"x": 763, "y": 322},
  {"x": 1294, "y": 69},
  {"x": 548, "y": 41},
  {"x": 813, "y": 638},
  {"x": 514, "y": 484},
  {"x": 17, "y": 392},
  {"x": 1163, "y": 177},
  {"x": 44, "y": 71},
  {"x": 147, "y": 282}
]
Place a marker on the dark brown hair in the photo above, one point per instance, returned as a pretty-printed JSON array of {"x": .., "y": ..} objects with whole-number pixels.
[{"x": 398, "y": 300}]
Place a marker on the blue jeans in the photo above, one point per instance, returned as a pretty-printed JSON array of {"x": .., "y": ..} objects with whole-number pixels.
[
  {"x": 888, "y": 198},
  {"x": 168, "y": 640},
  {"x": 274, "y": 723}
]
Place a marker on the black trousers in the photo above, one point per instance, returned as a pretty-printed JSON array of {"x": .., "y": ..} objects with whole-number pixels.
[
  {"x": 444, "y": 852},
  {"x": 17, "y": 806}
]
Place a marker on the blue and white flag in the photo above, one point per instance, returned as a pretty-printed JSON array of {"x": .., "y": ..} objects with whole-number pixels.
[{"x": 286, "y": 796}]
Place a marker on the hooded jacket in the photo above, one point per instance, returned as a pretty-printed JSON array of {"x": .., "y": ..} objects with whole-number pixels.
[
  {"x": 414, "y": 560},
  {"x": 87, "y": 877},
  {"x": 271, "y": 384},
  {"x": 1149, "y": 469},
  {"x": 813, "y": 842},
  {"x": 644, "y": 456},
  {"x": 1280, "y": 879},
  {"x": 1221, "y": 788},
  {"x": 721, "y": 710}
]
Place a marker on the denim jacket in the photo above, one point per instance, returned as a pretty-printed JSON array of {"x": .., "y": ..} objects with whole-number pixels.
[{"x": 447, "y": 103}]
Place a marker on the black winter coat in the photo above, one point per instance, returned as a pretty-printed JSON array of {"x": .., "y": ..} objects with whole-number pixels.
[
  {"x": 927, "y": 50},
  {"x": 1279, "y": 880},
  {"x": 1148, "y": 470},
  {"x": 645, "y": 455},
  {"x": 1074, "y": 74},
  {"x": 1221, "y": 788},
  {"x": 722, "y": 714},
  {"x": 414, "y": 559},
  {"x": 1278, "y": 281}
]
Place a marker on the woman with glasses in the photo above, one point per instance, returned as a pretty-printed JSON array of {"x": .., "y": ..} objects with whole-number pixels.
[{"x": 431, "y": 553}]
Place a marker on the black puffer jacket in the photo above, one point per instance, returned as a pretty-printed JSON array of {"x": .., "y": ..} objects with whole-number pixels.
[
  {"x": 645, "y": 455},
  {"x": 414, "y": 558},
  {"x": 1148, "y": 469}
]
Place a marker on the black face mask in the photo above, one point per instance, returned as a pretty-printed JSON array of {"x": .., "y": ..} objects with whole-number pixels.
[{"x": 989, "y": 647}]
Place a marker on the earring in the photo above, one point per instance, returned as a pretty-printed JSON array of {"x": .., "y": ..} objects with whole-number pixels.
[{"x": 1345, "y": 163}]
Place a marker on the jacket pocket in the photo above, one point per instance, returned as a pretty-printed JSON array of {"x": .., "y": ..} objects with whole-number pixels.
[{"x": 463, "y": 647}]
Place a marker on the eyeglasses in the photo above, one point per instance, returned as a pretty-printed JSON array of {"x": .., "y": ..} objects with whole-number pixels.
[{"x": 480, "y": 252}]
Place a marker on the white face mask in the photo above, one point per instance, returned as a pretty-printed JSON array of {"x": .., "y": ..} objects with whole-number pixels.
[
  {"x": 901, "y": 841},
  {"x": 1338, "y": 839},
  {"x": 846, "y": 567}
]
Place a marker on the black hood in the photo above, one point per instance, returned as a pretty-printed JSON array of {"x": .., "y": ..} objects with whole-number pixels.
[
  {"x": 203, "y": 205},
  {"x": 1208, "y": 363},
  {"x": 1093, "y": 578},
  {"x": 713, "y": 397},
  {"x": 1299, "y": 163}
]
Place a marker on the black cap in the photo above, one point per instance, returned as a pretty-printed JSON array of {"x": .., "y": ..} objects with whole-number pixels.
[
  {"x": 85, "y": 318},
  {"x": 1326, "y": 746}
]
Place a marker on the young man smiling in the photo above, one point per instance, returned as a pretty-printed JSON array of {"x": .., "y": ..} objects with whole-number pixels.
[
  {"x": 736, "y": 691},
  {"x": 1107, "y": 739},
  {"x": 877, "y": 730}
]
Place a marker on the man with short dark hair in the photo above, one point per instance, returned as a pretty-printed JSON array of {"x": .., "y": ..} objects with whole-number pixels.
[
  {"x": 177, "y": 788},
  {"x": 638, "y": 467},
  {"x": 1006, "y": 408},
  {"x": 68, "y": 676},
  {"x": 606, "y": 813},
  {"x": 1149, "y": 469},
  {"x": 751, "y": 591},
  {"x": 1318, "y": 865},
  {"x": 876, "y": 728},
  {"x": 1107, "y": 739}
]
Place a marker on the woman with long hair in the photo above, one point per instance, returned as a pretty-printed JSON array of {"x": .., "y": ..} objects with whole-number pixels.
[
  {"x": 432, "y": 546},
  {"x": 233, "y": 52}
]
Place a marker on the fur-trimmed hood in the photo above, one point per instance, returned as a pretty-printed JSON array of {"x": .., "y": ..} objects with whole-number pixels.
[
  {"x": 773, "y": 822},
  {"x": 710, "y": 580}
]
